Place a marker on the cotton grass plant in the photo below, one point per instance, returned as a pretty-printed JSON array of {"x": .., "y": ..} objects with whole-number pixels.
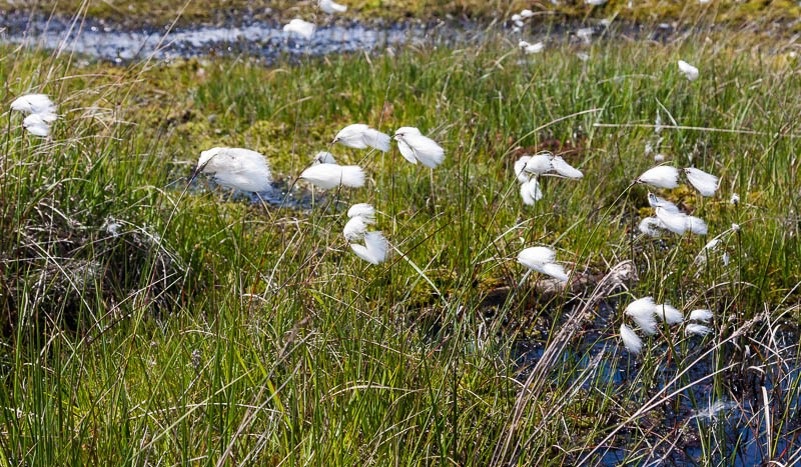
[{"x": 198, "y": 327}]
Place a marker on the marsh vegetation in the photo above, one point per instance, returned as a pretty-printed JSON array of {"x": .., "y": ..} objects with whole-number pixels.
[{"x": 147, "y": 321}]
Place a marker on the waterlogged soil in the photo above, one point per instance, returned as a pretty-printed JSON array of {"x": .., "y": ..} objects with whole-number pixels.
[
  {"x": 696, "y": 401},
  {"x": 268, "y": 41},
  {"x": 265, "y": 40}
]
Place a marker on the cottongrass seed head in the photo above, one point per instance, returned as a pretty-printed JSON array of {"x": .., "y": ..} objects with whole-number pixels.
[
  {"x": 642, "y": 311},
  {"x": 631, "y": 340},
  {"x": 237, "y": 168},
  {"x": 36, "y": 125},
  {"x": 355, "y": 228},
  {"x": 679, "y": 223},
  {"x": 328, "y": 175},
  {"x": 324, "y": 157},
  {"x": 693, "y": 329},
  {"x": 528, "y": 49},
  {"x": 361, "y": 215},
  {"x": 520, "y": 169},
  {"x": 689, "y": 71},
  {"x": 361, "y": 136},
  {"x": 702, "y": 315},
  {"x": 541, "y": 259},
  {"x": 564, "y": 169},
  {"x": 300, "y": 28},
  {"x": 40, "y": 113},
  {"x": 669, "y": 314},
  {"x": 651, "y": 226},
  {"x": 705, "y": 183},
  {"x": 661, "y": 176},
  {"x": 364, "y": 210},
  {"x": 330, "y": 7},
  {"x": 374, "y": 250},
  {"x": 34, "y": 104},
  {"x": 539, "y": 163},
  {"x": 414, "y": 147},
  {"x": 657, "y": 202},
  {"x": 530, "y": 192}
]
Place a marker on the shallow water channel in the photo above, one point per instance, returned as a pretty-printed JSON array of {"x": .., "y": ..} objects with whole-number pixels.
[{"x": 259, "y": 39}]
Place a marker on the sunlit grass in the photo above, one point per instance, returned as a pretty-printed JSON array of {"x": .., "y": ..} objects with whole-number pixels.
[{"x": 206, "y": 329}]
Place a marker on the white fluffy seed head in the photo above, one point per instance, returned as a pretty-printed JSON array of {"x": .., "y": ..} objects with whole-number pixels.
[
  {"x": 662, "y": 176},
  {"x": 530, "y": 192},
  {"x": 34, "y": 104},
  {"x": 364, "y": 210},
  {"x": 328, "y": 176},
  {"x": 631, "y": 340},
  {"x": 355, "y": 228},
  {"x": 539, "y": 163},
  {"x": 673, "y": 221},
  {"x": 642, "y": 306},
  {"x": 705, "y": 183},
  {"x": 657, "y": 202},
  {"x": 642, "y": 311},
  {"x": 647, "y": 324},
  {"x": 324, "y": 157},
  {"x": 554, "y": 270},
  {"x": 352, "y": 136},
  {"x": 330, "y": 7},
  {"x": 696, "y": 225},
  {"x": 541, "y": 259},
  {"x": 651, "y": 226},
  {"x": 376, "y": 140},
  {"x": 564, "y": 169},
  {"x": 534, "y": 48},
  {"x": 301, "y": 28},
  {"x": 238, "y": 168},
  {"x": 702, "y": 315},
  {"x": 36, "y": 125},
  {"x": 693, "y": 329},
  {"x": 536, "y": 256},
  {"x": 520, "y": 169},
  {"x": 669, "y": 314},
  {"x": 361, "y": 136},
  {"x": 415, "y": 147},
  {"x": 688, "y": 70},
  {"x": 375, "y": 248}
]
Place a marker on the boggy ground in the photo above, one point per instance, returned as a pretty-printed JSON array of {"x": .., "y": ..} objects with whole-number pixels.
[{"x": 145, "y": 323}]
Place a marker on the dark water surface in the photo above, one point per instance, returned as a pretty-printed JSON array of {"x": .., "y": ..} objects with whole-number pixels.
[{"x": 268, "y": 41}]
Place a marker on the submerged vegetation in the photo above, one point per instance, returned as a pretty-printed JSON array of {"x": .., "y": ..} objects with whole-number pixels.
[{"x": 147, "y": 320}]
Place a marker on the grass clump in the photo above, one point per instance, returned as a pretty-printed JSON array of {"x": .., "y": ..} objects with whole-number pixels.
[{"x": 146, "y": 323}]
